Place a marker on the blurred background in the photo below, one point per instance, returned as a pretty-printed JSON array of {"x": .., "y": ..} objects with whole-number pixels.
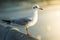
[{"x": 48, "y": 25}]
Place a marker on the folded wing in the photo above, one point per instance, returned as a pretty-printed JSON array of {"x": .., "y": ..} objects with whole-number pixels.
[{"x": 21, "y": 21}]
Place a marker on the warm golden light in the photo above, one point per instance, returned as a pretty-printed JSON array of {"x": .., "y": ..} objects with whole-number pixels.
[
  {"x": 50, "y": 21},
  {"x": 53, "y": 2}
]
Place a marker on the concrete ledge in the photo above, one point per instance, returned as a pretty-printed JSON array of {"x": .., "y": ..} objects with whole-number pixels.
[{"x": 9, "y": 33}]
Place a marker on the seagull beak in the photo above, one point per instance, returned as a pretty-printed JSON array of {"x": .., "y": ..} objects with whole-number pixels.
[{"x": 41, "y": 8}]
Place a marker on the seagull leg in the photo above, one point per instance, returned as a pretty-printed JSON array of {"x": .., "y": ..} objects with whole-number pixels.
[{"x": 27, "y": 32}]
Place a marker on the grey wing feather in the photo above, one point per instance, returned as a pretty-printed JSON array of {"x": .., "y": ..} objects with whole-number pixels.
[{"x": 22, "y": 21}]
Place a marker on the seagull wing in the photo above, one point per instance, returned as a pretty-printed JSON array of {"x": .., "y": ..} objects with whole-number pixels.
[{"x": 22, "y": 21}]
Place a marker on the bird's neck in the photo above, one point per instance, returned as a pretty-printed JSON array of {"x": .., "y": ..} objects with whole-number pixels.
[
  {"x": 35, "y": 16},
  {"x": 35, "y": 13}
]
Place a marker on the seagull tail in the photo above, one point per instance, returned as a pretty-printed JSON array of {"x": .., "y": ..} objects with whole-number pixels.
[{"x": 7, "y": 21}]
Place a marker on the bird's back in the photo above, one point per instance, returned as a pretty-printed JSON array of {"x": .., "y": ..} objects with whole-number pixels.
[{"x": 22, "y": 21}]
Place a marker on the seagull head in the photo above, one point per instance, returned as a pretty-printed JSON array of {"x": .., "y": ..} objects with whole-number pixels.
[{"x": 37, "y": 7}]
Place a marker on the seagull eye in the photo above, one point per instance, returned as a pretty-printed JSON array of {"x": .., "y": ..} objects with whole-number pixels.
[{"x": 34, "y": 7}]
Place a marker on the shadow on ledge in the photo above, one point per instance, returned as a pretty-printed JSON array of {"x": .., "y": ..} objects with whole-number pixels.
[{"x": 9, "y": 33}]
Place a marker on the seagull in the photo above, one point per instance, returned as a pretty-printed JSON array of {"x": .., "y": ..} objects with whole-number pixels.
[{"x": 27, "y": 21}]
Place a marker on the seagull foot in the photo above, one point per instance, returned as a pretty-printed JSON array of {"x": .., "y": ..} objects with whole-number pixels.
[{"x": 29, "y": 35}]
